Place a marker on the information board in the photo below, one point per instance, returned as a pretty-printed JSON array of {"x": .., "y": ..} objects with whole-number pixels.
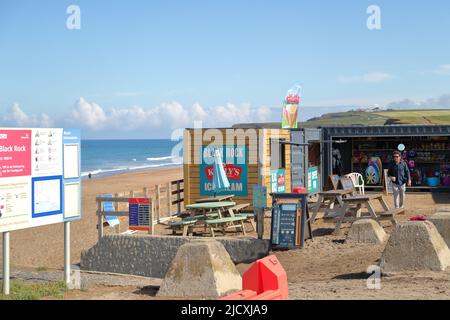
[
  {"x": 33, "y": 188},
  {"x": 139, "y": 214}
]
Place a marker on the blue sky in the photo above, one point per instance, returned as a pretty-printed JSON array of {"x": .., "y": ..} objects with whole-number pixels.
[{"x": 160, "y": 65}]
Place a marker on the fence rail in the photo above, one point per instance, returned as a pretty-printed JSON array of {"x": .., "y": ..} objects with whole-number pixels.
[{"x": 162, "y": 197}]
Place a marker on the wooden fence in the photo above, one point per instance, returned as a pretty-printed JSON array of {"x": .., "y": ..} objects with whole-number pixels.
[{"x": 167, "y": 200}]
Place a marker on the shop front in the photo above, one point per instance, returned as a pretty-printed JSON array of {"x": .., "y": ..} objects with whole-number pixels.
[{"x": 368, "y": 150}]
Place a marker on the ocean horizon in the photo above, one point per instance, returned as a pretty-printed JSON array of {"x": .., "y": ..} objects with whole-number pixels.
[{"x": 105, "y": 157}]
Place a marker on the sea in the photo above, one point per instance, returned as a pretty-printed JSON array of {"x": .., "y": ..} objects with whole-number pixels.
[{"x": 110, "y": 157}]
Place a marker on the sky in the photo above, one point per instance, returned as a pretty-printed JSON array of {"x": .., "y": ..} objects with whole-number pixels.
[{"x": 140, "y": 69}]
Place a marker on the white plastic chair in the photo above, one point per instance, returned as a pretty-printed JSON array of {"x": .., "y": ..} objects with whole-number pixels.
[{"x": 358, "y": 181}]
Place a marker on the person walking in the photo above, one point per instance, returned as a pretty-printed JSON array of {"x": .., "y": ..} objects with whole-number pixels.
[{"x": 401, "y": 177}]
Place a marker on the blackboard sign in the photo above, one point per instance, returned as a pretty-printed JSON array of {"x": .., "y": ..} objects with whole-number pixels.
[
  {"x": 285, "y": 222},
  {"x": 289, "y": 226}
]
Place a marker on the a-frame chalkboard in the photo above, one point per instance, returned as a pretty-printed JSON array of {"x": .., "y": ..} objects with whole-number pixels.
[{"x": 332, "y": 182}]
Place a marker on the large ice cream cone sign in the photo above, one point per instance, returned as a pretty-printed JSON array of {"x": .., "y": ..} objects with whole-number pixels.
[{"x": 290, "y": 108}]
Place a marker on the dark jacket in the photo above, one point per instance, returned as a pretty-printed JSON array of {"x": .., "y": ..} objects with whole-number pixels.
[{"x": 400, "y": 172}]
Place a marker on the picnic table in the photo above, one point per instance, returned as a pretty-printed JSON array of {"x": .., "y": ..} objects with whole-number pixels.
[
  {"x": 205, "y": 207},
  {"x": 227, "y": 197},
  {"x": 331, "y": 196},
  {"x": 209, "y": 215},
  {"x": 354, "y": 205}
]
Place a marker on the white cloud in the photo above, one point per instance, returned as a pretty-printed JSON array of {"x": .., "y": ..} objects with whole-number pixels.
[
  {"x": 16, "y": 117},
  {"x": 373, "y": 77},
  {"x": 443, "y": 69},
  {"x": 88, "y": 114},
  {"x": 166, "y": 116},
  {"x": 437, "y": 103}
]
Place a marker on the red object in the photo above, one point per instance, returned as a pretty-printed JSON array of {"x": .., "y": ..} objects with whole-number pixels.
[
  {"x": 418, "y": 218},
  {"x": 292, "y": 99},
  {"x": 281, "y": 180},
  {"x": 265, "y": 280},
  {"x": 300, "y": 190},
  {"x": 233, "y": 172},
  {"x": 138, "y": 201},
  {"x": 15, "y": 153}
]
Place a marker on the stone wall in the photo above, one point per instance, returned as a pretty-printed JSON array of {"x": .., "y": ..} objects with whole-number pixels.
[{"x": 151, "y": 256}]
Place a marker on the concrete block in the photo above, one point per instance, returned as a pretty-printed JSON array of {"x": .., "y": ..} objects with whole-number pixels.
[
  {"x": 441, "y": 221},
  {"x": 443, "y": 209},
  {"x": 415, "y": 245},
  {"x": 150, "y": 256},
  {"x": 201, "y": 268},
  {"x": 366, "y": 231}
]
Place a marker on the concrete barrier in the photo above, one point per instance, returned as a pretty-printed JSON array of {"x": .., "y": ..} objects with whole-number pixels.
[
  {"x": 203, "y": 269},
  {"x": 151, "y": 256},
  {"x": 441, "y": 220},
  {"x": 415, "y": 245},
  {"x": 366, "y": 231}
]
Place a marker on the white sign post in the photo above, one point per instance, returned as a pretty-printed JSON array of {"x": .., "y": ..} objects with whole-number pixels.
[
  {"x": 40, "y": 184},
  {"x": 6, "y": 263}
]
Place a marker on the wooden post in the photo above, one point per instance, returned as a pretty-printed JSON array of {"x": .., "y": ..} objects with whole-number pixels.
[
  {"x": 158, "y": 201},
  {"x": 145, "y": 192},
  {"x": 116, "y": 208},
  {"x": 178, "y": 197},
  {"x": 260, "y": 222},
  {"x": 169, "y": 199},
  {"x": 100, "y": 221},
  {"x": 152, "y": 215}
]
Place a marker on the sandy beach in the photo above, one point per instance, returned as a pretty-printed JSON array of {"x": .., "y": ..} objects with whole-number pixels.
[
  {"x": 43, "y": 247},
  {"x": 327, "y": 268}
]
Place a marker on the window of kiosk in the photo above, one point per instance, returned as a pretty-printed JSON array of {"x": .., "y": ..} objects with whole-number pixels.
[{"x": 277, "y": 154}]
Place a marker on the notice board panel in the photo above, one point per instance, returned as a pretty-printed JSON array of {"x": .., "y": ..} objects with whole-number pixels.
[
  {"x": 139, "y": 214},
  {"x": 32, "y": 183}
]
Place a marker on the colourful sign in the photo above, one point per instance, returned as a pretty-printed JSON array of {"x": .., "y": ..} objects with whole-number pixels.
[
  {"x": 313, "y": 179},
  {"x": 235, "y": 163},
  {"x": 290, "y": 108},
  {"x": 15, "y": 153},
  {"x": 139, "y": 214},
  {"x": 278, "y": 181},
  {"x": 36, "y": 189}
]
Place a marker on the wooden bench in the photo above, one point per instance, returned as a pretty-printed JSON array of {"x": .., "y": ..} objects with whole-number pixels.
[
  {"x": 390, "y": 215},
  {"x": 225, "y": 223},
  {"x": 185, "y": 225},
  {"x": 249, "y": 217}
]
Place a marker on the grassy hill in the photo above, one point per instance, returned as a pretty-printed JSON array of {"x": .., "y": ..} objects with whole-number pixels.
[{"x": 429, "y": 117}]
